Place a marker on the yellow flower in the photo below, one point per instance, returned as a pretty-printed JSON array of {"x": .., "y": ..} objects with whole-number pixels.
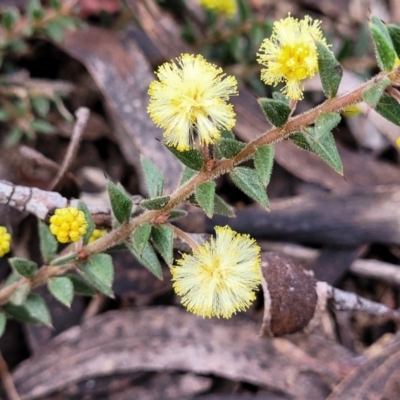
[
  {"x": 5, "y": 241},
  {"x": 68, "y": 224},
  {"x": 190, "y": 97},
  {"x": 227, "y": 7},
  {"x": 220, "y": 277},
  {"x": 290, "y": 54},
  {"x": 97, "y": 234}
]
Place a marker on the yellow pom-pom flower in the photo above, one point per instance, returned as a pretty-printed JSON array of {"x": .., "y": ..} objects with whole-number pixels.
[
  {"x": 220, "y": 277},
  {"x": 190, "y": 96},
  {"x": 68, "y": 224},
  {"x": 5, "y": 241},
  {"x": 97, "y": 234},
  {"x": 290, "y": 54},
  {"x": 227, "y": 7}
]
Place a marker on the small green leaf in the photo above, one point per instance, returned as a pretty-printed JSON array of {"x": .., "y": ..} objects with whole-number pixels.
[
  {"x": 64, "y": 259},
  {"x": 176, "y": 214},
  {"x": 4, "y": 115},
  {"x": 324, "y": 148},
  {"x": 34, "y": 10},
  {"x": 148, "y": 259},
  {"x": 121, "y": 203},
  {"x": 55, "y": 4},
  {"x": 276, "y": 111},
  {"x": 394, "y": 32},
  {"x": 228, "y": 148},
  {"x": 99, "y": 272},
  {"x": 10, "y": 16},
  {"x": 153, "y": 178},
  {"x": 389, "y": 108},
  {"x": 81, "y": 286},
  {"x": 373, "y": 94},
  {"x": 205, "y": 197},
  {"x": 24, "y": 267},
  {"x": 187, "y": 175},
  {"x": 330, "y": 71},
  {"x": 163, "y": 240},
  {"x": 62, "y": 289},
  {"x": 222, "y": 208},
  {"x": 19, "y": 296},
  {"x": 33, "y": 310},
  {"x": 280, "y": 97},
  {"x": 54, "y": 30},
  {"x": 263, "y": 161},
  {"x": 3, "y": 321},
  {"x": 325, "y": 123},
  {"x": 48, "y": 243},
  {"x": 247, "y": 180},
  {"x": 225, "y": 134},
  {"x": 191, "y": 158},
  {"x": 384, "y": 49},
  {"x": 140, "y": 237},
  {"x": 42, "y": 126},
  {"x": 155, "y": 204},
  {"x": 89, "y": 220},
  {"x": 41, "y": 105}
]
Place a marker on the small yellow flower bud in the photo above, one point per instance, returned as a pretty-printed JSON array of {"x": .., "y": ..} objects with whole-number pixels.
[
  {"x": 5, "y": 241},
  {"x": 68, "y": 224},
  {"x": 227, "y": 7},
  {"x": 97, "y": 234}
]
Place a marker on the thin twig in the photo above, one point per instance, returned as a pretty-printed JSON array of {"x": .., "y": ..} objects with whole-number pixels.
[{"x": 8, "y": 383}]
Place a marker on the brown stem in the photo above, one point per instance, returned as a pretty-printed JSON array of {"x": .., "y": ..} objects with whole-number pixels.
[
  {"x": 184, "y": 236},
  {"x": 8, "y": 383}
]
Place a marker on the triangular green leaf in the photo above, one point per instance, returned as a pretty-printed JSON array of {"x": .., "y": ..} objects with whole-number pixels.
[
  {"x": 384, "y": 49},
  {"x": 389, "y": 108},
  {"x": 140, "y": 237},
  {"x": 222, "y": 208},
  {"x": 330, "y": 70},
  {"x": 325, "y": 123},
  {"x": 156, "y": 203},
  {"x": 88, "y": 217},
  {"x": 99, "y": 272},
  {"x": 121, "y": 203},
  {"x": 24, "y": 267},
  {"x": 247, "y": 180},
  {"x": 263, "y": 161},
  {"x": 228, "y": 148},
  {"x": 163, "y": 240},
  {"x": 81, "y": 286},
  {"x": 62, "y": 289},
  {"x": 191, "y": 158},
  {"x": 3, "y": 321},
  {"x": 373, "y": 94},
  {"x": 153, "y": 178},
  {"x": 276, "y": 111},
  {"x": 227, "y": 134},
  {"x": 64, "y": 259},
  {"x": 280, "y": 97},
  {"x": 34, "y": 310},
  {"x": 394, "y": 32},
  {"x": 176, "y": 214},
  {"x": 148, "y": 259},
  {"x": 205, "y": 197},
  {"x": 187, "y": 175},
  {"x": 48, "y": 243}
]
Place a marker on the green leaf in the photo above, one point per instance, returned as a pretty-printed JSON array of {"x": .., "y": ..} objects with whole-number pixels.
[
  {"x": 62, "y": 289},
  {"x": 34, "y": 310},
  {"x": 225, "y": 134},
  {"x": 187, "y": 175},
  {"x": 222, "y": 208},
  {"x": 19, "y": 296},
  {"x": 99, "y": 272},
  {"x": 48, "y": 243},
  {"x": 10, "y": 16},
  {"x": 384, "y": 49},
  {"x": 373, "y": 94},
  {"x": 276, "y": 111},
  {"x": 41, "y": 105},
  {"x": 89, "y": 220},
  {"x": 325, "y": 123},
  {"x": 34, "y": 10},
  {"x": 64, "y": 259},
  {"x": 81, "y": 286},
  {"x": 148, "y": 259},
  {"x": 153, "y": 178},
  {"x": 263, "y": 161},
  {"x": 3, "y": 321},
  {"x": 389, "y": 108},
  {"x": 42, "y": 126},
  {"x": 176, "y": 214},
  {"x": 330, "y": 71},
  {"x": 394, "y": 32},
  {"x": 4, "y": 115},
  {"x": 121, "y": 203},
  {"x": 280, "y": 97},
  {"x": 191, "y": 158},
  {"x": 205, "y": 197},
  {"x": 24, "y": 267},
  {"x": 247, "y": 180},
  {"x": 54, "y": 30},
  {"x": 228, "y": 148},
  {"x": 155, "y": 204},
  {"x": 55, "y": 4},
  {"x": 163, "y": 240},
  {"x": 324, "y": 148},
  {"x": 140, "y": 237}
]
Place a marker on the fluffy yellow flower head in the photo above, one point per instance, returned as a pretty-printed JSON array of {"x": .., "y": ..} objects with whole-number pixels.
[
  {"x": 5, "y": 241},
  {"x": 227, "y": 7},
  {"x": 220, "y": 277},
  {"x": 290, "y": 54},
  {"x": 97, "y": 234},
  {"x": 68, "y": 224},
  {"x": 190, "y": 97}
]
